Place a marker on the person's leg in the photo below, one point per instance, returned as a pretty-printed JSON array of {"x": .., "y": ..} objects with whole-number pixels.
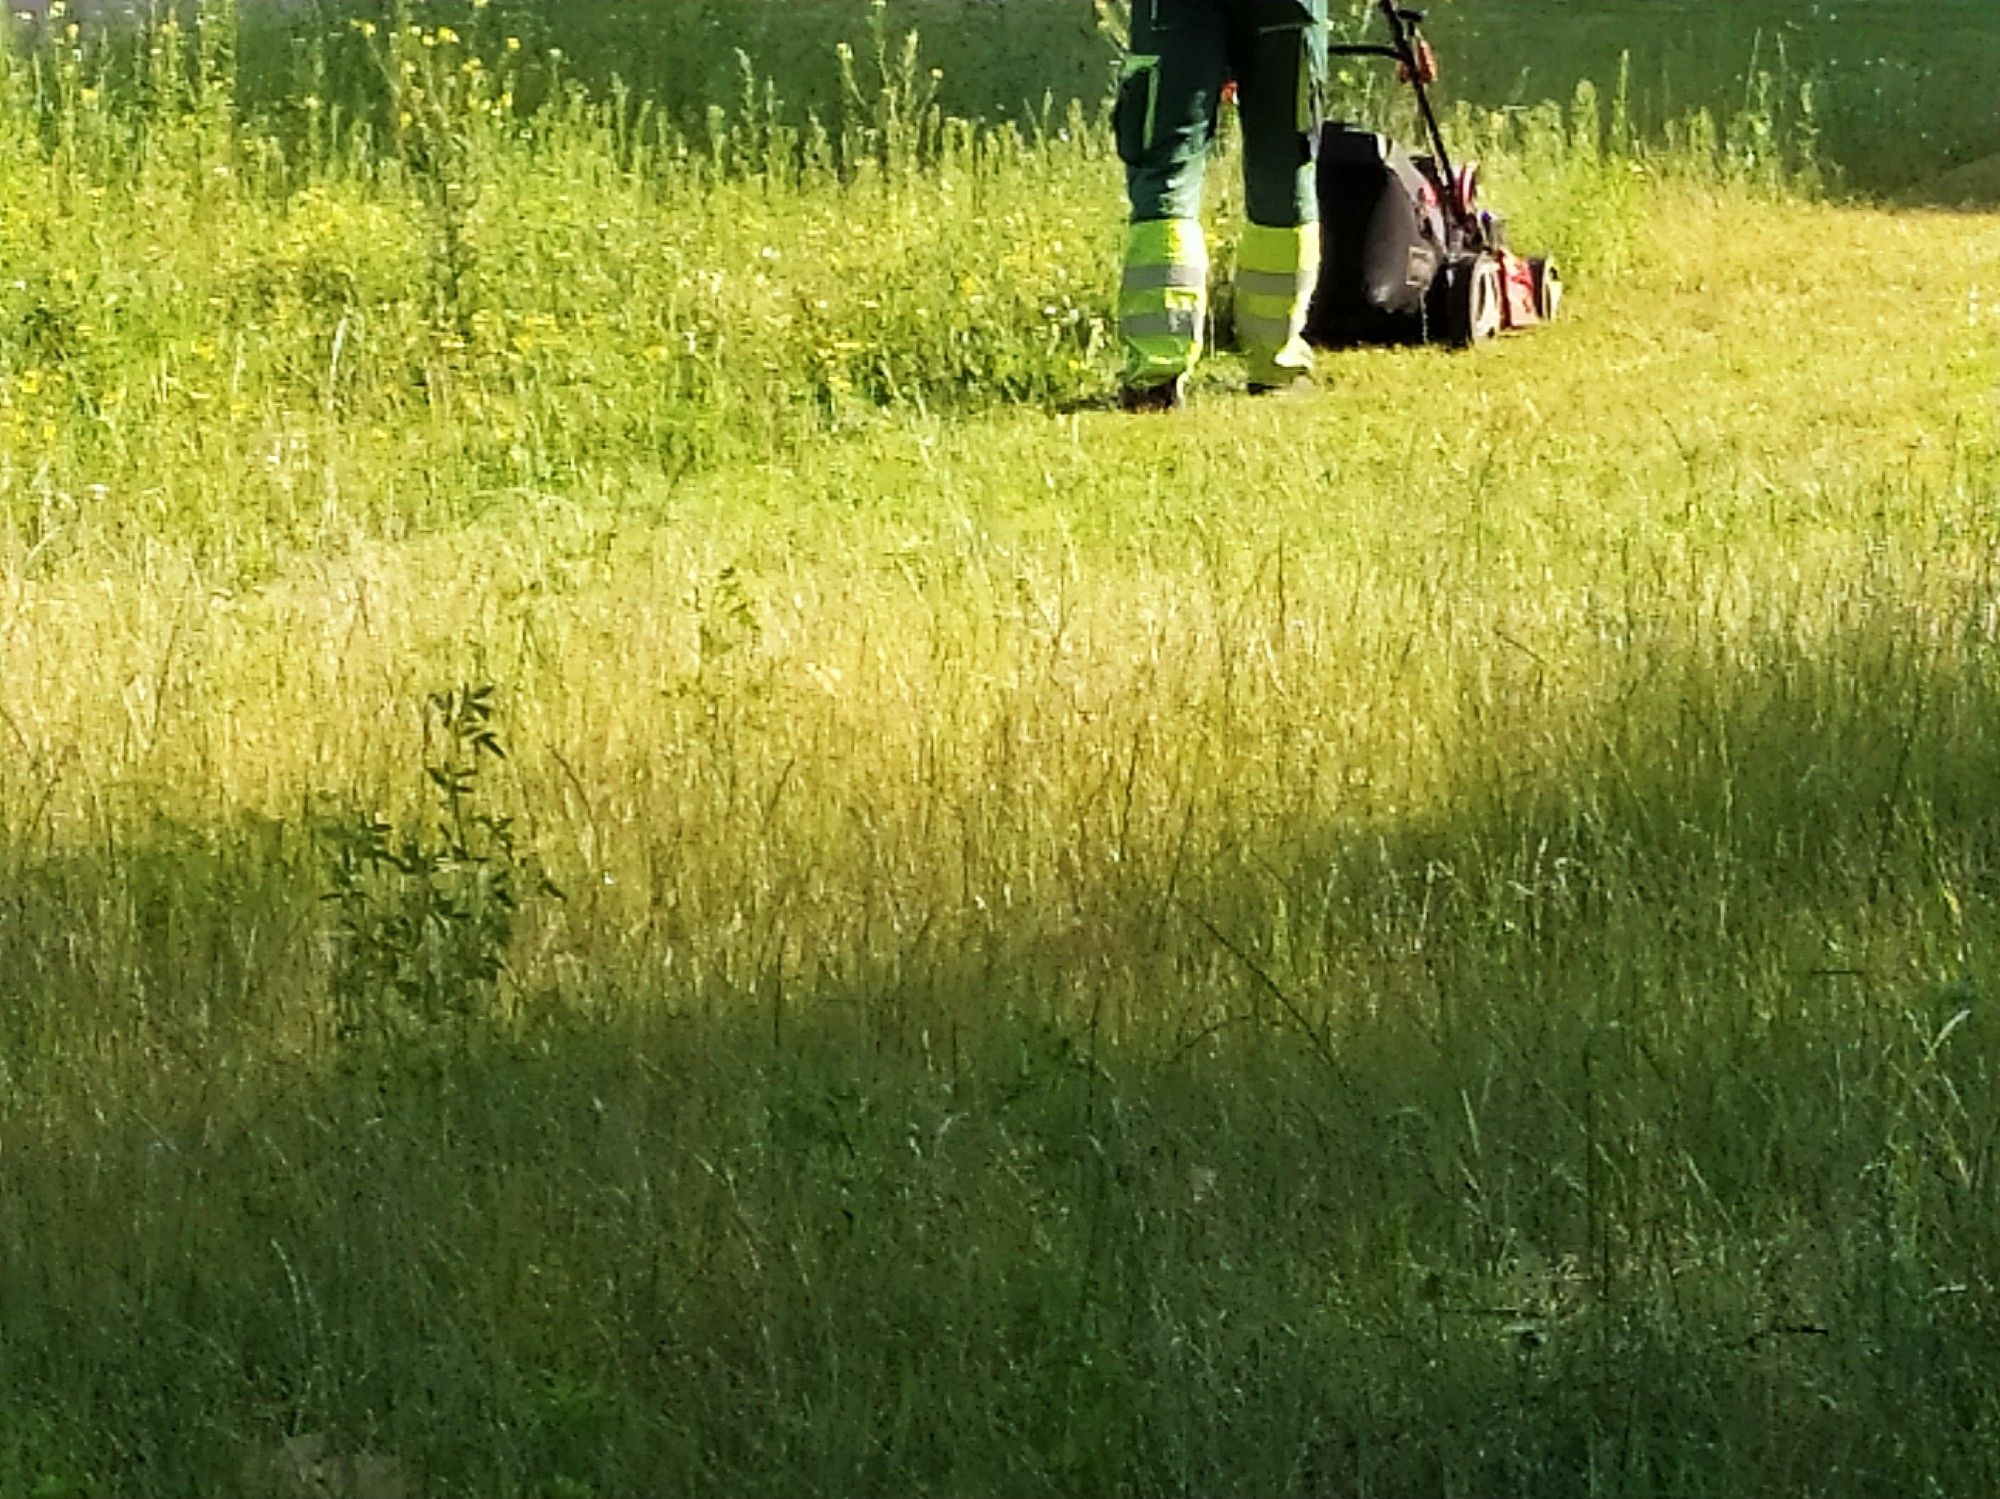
[
  {"x": 1166, "y": 121},
  {"x": 1279, "y": 57}
]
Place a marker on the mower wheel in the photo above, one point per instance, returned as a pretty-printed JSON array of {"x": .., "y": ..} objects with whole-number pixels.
[
  {"x": 1470, "y": 310},
  {"x": 1548, "y": 289}
]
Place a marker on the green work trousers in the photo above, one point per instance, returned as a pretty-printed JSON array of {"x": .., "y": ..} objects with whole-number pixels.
[{"x": 1183, "y": 52}]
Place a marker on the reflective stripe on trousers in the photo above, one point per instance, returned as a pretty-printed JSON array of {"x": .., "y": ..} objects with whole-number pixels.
[
  {"x": 1163, "y": 300},
  {"x": 1276, "y": 269}
]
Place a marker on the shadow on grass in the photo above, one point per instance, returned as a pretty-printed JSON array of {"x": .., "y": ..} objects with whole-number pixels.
[
  {"x": 1971, "y": 187},
  {"x": 1630, "y": 1131}
]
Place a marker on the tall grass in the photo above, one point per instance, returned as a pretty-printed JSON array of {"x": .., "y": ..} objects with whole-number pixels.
[{"x": 639, "y": 854}]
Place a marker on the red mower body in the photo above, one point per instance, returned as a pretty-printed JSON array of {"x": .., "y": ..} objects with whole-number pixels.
[{"x": 1530, "y": 291}]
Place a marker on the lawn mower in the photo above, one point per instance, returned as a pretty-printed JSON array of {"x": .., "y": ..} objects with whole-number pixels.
[{"x": 1407, "y": 254}]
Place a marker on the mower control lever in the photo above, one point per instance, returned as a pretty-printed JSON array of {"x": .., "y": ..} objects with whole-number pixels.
[{"x": 1419, "y": 68}]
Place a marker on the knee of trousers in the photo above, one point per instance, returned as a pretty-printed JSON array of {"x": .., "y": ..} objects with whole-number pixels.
[
  {"x": 1165, "y": 188},
  {"x": 1283, "y": 195}
]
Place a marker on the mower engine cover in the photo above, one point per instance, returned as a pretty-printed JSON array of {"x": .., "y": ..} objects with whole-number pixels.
[{"x": 1382, "y": 240}]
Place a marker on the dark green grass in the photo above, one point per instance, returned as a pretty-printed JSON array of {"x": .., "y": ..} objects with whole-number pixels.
[
  {"x": 1901, "y": 92},
  {"x": 1903, "y": 89}
]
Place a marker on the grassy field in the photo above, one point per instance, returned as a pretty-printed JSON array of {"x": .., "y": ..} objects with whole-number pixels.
[{"x": 642, "y": 852}]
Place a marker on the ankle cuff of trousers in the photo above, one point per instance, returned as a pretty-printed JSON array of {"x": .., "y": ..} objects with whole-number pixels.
[
  {"x": 1276, "y": 268},
  {"x": 1163, "y": 299}
]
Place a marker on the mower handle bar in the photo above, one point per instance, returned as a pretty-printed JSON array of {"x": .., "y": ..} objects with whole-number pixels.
[{"x": 1404, "y": 25}]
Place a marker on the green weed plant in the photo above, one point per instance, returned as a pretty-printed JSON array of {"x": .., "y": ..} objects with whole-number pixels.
[{"x": 424, "y": 916}]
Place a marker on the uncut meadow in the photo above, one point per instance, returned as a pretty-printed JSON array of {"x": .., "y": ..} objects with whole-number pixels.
[{"x": 645, "y": 850}]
